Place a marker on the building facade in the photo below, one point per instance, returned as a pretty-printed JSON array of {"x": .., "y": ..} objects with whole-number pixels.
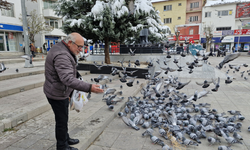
[
  {"x": 172, "y": 12},
  {"x": 11, "y": 29},
  {"x": 230, "y": 21},
  {"x": 44, "y": 8}
]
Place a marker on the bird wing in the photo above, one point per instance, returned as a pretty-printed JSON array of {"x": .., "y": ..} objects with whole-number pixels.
[
  {"x": 125, "y": 120},
  {"x": 132, "y": 79},
  {"x": 25, "y": 57},
  {"x": 199, "y": 83},
  {"x": 171, "y": 70}
]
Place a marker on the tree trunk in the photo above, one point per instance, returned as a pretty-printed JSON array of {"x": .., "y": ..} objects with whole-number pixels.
[{"x": 106, "y": 50}]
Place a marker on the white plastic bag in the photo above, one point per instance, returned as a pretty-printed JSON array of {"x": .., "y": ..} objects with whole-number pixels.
[{"x": 78, "y": 99}]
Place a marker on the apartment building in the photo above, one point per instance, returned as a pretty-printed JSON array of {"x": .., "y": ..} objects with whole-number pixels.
[
  {"x": 45, "y": 9},
  {"x": 11, "y": 29},
  {"x": 183, "y": 16},
  {"x": 230, "y": 20}
]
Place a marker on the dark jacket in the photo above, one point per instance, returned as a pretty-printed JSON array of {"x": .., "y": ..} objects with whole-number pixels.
[{"x": 61, "y": 73}]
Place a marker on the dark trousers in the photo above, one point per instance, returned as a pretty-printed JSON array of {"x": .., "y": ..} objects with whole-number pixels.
[
  {"x": 61, "y": 111},
  {"x": 33, "y": 53}
]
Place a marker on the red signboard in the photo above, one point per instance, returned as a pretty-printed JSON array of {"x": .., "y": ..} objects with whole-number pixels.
[
  {"x": 188, "y": 37},
  {"x": 242, "y": 10},
  {"x": 242, "y": 32}
]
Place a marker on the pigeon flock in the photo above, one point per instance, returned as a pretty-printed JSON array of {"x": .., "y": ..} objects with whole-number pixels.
[{"x": 175, "y": 115}]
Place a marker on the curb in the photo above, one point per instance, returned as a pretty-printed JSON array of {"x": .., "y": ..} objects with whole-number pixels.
[
  {"x": 12, "y": 76},
  {"x": 20, "y": 89},
  {"x": 22, "y": 117}
]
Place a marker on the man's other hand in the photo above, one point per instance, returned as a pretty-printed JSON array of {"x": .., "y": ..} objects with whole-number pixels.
[{"x": 95, "y": 89}]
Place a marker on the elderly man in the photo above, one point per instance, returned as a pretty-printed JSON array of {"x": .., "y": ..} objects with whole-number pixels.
[{"x": 61, "y": 78}]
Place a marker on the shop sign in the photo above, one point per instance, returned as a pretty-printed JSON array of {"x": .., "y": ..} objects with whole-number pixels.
[
  {"x": 228, "y": 32},
  {"x": 187, "y": 37},
  {"x": 246, "y": 46},
  {"x": 242, "y": 32},
  {"x": 217, "y": 32},
  {"x": 228, "y": 39}
]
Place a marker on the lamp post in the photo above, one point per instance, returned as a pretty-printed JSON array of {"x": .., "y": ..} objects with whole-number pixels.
[
  {"x": 25, "y": 34},
  {"x": 239, "y": 36}
]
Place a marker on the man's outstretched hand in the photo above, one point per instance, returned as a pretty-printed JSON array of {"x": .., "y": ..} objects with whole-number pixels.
[{"x": 95, "y": 89}]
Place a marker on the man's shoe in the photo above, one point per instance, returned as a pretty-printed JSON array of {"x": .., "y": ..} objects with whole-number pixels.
[
  {"x": 73, "y": 141},
  {"x": 71, "y": 148}
]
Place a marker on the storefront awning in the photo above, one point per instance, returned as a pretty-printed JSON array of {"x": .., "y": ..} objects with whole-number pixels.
[{"x": 11, "y": 27}]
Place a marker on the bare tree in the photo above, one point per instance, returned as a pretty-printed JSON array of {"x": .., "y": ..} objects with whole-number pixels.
[
  {"x": 6, "y": 5},
  {"x": 36, "y": 25},
  {"x": 208, "y": 32}
]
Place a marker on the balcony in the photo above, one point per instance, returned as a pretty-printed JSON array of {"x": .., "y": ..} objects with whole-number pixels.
[
  {"x": 192, "y": 10},
  {"x": 49, "y": 13}
]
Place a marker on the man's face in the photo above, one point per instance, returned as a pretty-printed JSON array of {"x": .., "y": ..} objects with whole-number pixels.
[{"x": 77, "y": 46}]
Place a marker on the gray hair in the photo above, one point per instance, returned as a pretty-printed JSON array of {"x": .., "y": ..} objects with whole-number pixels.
[{"x": 70, "y": 37}]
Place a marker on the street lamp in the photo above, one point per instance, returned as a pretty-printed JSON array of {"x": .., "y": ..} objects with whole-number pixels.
[
  {"x": 25, "y": 34},
  {"x": 239, "y": 36}
]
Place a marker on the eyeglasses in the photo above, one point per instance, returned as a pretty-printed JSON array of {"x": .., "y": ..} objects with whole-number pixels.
[{"x": 79, "y": 47}]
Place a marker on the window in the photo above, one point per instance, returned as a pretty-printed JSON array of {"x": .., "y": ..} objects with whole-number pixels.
[
  {"x": 225, "y": 12},
  {"x": 52, "y": 22},
  {"x": 207, "y": 14},
  {"x": 193, "y": 18},
  {"x": 179, "y": 18},
  {"x": 194, "y": 5},
  {"x": 167, "y": 8},
  {"x": 8, "y": 13},
  {"x": 223, "y": 28},
  {"x": 48, "y": 4},
  {"x": 179, "y": 4},
  {"x": 167, "y": 20}
]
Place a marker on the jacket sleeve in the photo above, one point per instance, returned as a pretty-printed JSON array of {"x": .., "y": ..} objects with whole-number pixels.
[{"x": 65, "y": 71}]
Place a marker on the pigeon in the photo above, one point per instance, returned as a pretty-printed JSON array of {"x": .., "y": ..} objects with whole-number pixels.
[
  {"x": 121, "y": 62},
  {"x": 149, "y": 131},
  {"x": 240, "y": 117},
  {"x": 234, "y": 112},
  {"x": 83, "y": 56},
  {"x": 237, "y": 136},
  {"x": 131, "y": 81},
  {"x": 132, "y": 52},
  {"x": 98, "y": 66},
  {"x": 229, "y": 58},
  {"x": 166, "y": 147},
  {"x": 131, "y": 72},
  {"x": 111, "y": 107},
  {"x": 100, "y": 77},
  {"x": 137, "y": 62},
  {"x": 3, "y": 68},
  {"x": 212, "y": 140},
  {"x": 28, "y": 58},
  {"x": 109, "y": 91},
  {"x": 248, "y": 129},
  {"x": 223, "y": 147},
  {"x": 130, "y": 123},
  {"x": 229, "y": 139},
  {"x": 228, "y": 80},
  {"x": 17, "y": 70},
  {"x": 217, "y": 85},
  {"x": 156, "y": 140},
  {"x": 204, "y": 84},
  {"x": 167, "y": 69}
]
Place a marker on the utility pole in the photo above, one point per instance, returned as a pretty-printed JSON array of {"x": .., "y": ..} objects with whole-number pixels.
[{"x": 25, "y": 34}]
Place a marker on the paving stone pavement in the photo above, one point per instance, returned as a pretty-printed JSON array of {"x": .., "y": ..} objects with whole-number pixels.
[
  {"x": 234, "y": 96},
  {"x": 38, "y": 132}
]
